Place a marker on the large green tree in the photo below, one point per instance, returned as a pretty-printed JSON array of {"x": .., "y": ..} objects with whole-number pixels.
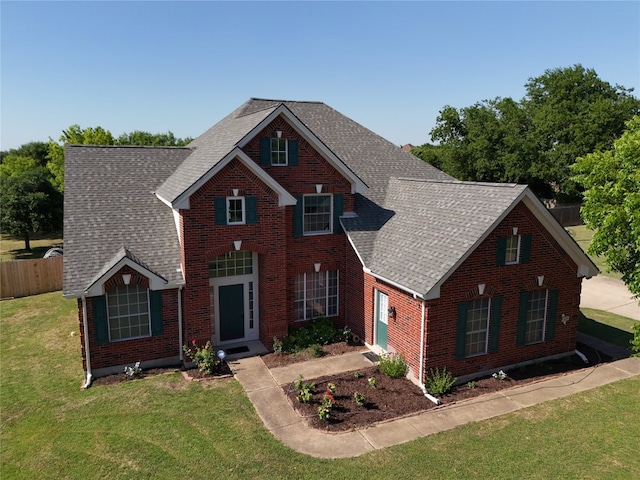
[
  {"x": 36, "y": 150},
  {"x": 29, "y": 204},
  {"x": 611, "y": 182},
  {"x": 566, "y": 113}
]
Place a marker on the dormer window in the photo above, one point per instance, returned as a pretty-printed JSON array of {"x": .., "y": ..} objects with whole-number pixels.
[{"x": 279, "y": 151}]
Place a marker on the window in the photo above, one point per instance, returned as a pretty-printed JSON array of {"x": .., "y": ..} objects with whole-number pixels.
[
  {"x": 239, "y": 262},
  {"x": 316, "y": 295},
  {"x": 235, "y": 211},
  {"x": 536, "y": 317},
  {"x": 128, "y": 312},
  {"x": 279, "y": 151},
  {"x": 512, "y": 253},
  {"x": 316, "y": 214},
  {"x": 477, "y": 327}
]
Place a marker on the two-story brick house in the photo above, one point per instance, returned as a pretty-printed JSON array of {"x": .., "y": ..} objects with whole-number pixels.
[{"x": 288, "y": 211}]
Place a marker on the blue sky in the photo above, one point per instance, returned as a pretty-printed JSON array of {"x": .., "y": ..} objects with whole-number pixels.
[{"x": 391, "y": 66}]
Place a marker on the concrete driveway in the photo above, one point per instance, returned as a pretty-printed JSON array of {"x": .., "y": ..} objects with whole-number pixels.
[{"x": 610, "y": 295}]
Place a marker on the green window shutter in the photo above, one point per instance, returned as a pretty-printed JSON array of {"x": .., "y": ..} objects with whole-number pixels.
[
  {"x": 501, "y": 251},
  {"x": 100, "y": 323},
  {"x": 155, "y": 297},
  {"x": 252, "y": 210},
  {"x": 297, "y": 217},
  {"x": 221, "y": 210},
  {"x": 265, "y": 151},
  {"x": 461, "y": 332},
  {"x": 551, "y": 314},
  {"x": 338, "y": 206},
  {"x": 522, "y": 318},
  {"x": 494, "y": 323},
  {"x": 525, "y": 249},
  {"x": 293, "y": 152}
]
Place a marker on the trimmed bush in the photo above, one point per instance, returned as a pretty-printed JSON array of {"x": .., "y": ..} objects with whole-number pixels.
[
  {"x": 393, "y": 365},
  {"x": 439, "y": 382}
]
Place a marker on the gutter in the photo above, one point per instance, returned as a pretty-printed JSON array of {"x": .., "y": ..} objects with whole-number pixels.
[{"x": 85, "y": 325}]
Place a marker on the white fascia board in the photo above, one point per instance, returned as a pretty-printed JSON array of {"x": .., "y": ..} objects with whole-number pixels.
[
  {"x": 156, "y": 282},
  {"x": 357, "y": 185},
  {"x": 586, "y": 268},
  {"x": 394, "y": 284},
  {"x": 284, "y": 197},
  {"x": 364, "y": 267}
]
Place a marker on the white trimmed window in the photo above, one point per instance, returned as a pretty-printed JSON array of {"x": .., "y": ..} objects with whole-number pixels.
[
  {"x": 512, "y": 253},
  {"x": 317, "y": 214},
  {"x": 536, "y": 316},
  {"x": 239, "y": 262},
  {"x": 128, "y": 312},
  {"x": 316, "y": 295},
  {"x": 279, "y": 151},
  {"x": 477, "y": 328},
  {"x": 235, "y": 211}
]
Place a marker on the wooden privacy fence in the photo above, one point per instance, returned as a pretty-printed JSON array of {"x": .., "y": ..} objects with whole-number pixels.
[{"x": 21, "y": 278}]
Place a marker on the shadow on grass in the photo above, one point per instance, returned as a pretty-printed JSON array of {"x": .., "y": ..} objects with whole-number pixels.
[{"x": 604, "y": 332}]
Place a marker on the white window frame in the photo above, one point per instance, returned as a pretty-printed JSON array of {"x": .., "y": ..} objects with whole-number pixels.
[
  {"x": 304, "y": 296},
  {"x": 112, "y": 301},
  {"x": 279, "y": 151},
  {"x": 305, "y": 215},
  {"x": 469, "y": 333},
  {"x": 531, "y": 321},
  {"x": 511, "y": 249},
  {"x": 243, "y": 208}
]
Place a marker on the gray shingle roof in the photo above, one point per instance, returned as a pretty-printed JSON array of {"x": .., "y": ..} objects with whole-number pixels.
[
  {"x": 109, "y": 205},
  {"x": 423, "y": 227}
]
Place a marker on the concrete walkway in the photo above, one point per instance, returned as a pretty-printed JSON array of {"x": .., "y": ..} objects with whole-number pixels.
[
  {"x": 610, "y": 295},
  {"x": 263, "y": 389}
]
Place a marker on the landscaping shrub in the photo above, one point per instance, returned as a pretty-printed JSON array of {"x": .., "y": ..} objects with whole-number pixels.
[
  {"x": 319, "y": 331},
  {"x": 439, "y": 382},
  {"x": 635, "y": 341},
  {"x": 393, "y": 365}
]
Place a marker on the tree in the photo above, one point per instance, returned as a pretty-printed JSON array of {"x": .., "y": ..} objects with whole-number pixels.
[
  {"x": 29, "y": 204},
  {"x": 138, "y": 137},
  {"x": 566, "y": 113},
  {"x": 15, "y": 165},
  {"x": 611, "y": 182},
  {"x": 36, "y": 150}
]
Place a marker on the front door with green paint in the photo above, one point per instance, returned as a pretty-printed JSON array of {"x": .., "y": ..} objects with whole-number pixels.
[
  {"x": 382, "y": 319},
  {"x": 231, "y": 312}
]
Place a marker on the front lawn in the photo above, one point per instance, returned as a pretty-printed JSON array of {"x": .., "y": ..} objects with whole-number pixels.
[
  {"x": 606, "y": 326},
  {"x": 163, "y": 427},
  {"x": 583, "y": 236}
]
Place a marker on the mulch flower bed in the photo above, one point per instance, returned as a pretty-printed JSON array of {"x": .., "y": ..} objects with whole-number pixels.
[
  {"x": 393, "y": 398},
  {"x": 191, "y": 374}
]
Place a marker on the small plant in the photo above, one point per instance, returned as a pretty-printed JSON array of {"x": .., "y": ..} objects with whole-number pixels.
[
  {"x": 304, "y": 389},
  {"x": 316, "y": 350},
  {"x": 134, "y": 371},
  {"x": 439, "y": 382},
  {"x": 471, "y": 385},
  {"x": 324, "y": 410},
  {"x": 357, "y": 374},
  {"x": 204, "y": 357},
  {"x": 635, "y": 341},
  {"x": 277, "y": 345},
  {"x": 331, "y": 388},
  {"x": 499, "y": 375},
  {"x": 359, "y": 398},
  {"x": 345, "y": 333},
  {"x": 372, "y": 382},
  {"x": 393, "y": 365}
]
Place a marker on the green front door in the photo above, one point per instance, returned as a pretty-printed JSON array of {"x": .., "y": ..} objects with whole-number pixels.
[
  {"x": 231, "y": 299},
  {"x": 382, "y": 319}
]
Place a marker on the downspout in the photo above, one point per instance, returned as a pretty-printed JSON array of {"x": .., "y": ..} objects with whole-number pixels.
[
  {"x": 180, "y": 323},
  {"x": 85, "y": 325},
  {"x": 421, "y": 376}
]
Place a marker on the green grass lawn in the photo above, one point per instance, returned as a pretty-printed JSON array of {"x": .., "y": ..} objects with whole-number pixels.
[
  {"x": 12, "y": 248},
  {"x": 607, "y": 326},
  {"x": 582, "y": 235},
  {"x": 166, "y": 428}
]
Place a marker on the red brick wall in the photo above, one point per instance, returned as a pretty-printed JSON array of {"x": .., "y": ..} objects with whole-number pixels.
[
  {"x": 281, "y": 255},
  {"x": 139, "y": 349}
]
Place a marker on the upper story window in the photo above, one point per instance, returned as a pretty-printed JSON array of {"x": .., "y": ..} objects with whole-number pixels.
[
  {"x": 317, "y": 217},
  {"x": 279, "y": 151},
  {"x": 128, "y": 312},
  {"x": 512, "y": 253},
  {"x": 513, "y": 249},
  {"x": 235, "y": 211}
]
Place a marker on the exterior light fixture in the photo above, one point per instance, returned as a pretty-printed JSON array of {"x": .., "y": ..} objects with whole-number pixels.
[
  {"x": 564, "y": 318},
  {"x": 392, "y": 312},
  {"x": 221, "y": 354}
]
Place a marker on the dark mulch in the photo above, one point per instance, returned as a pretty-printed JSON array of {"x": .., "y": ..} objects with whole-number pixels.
[
  {"x": 193, "y": 374},
  {"x": 272, "y": 360},
  {"x": 393, "y": 398}
]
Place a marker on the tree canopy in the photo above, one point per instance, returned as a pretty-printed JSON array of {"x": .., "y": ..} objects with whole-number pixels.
[
  {"x": 611, "y": 182},
  {"x": 566, "y": 113}
]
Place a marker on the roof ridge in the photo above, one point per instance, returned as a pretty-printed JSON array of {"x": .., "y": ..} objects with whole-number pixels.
[
  {"x": 168, "y": 147},
  {"x": 459, "y": 182}
]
